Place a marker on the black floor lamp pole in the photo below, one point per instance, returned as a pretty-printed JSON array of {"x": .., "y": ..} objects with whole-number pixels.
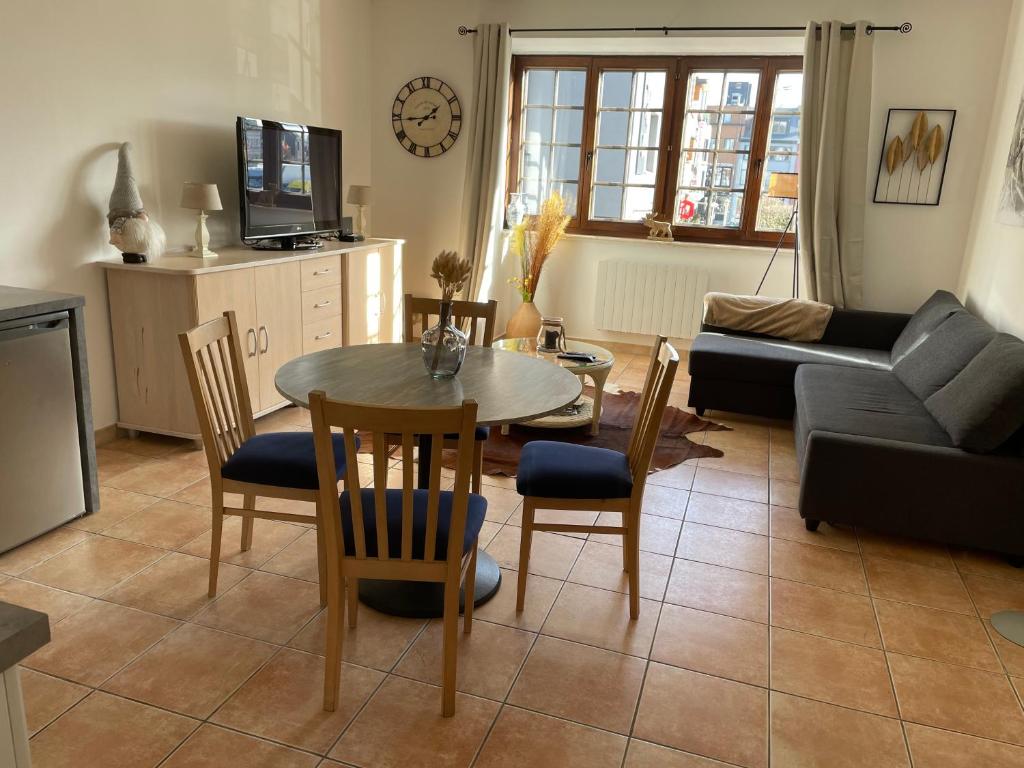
[{"x": 793, "y": 222}]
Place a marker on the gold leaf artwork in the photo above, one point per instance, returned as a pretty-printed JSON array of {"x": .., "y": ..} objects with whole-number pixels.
[
  {"x": 908, "y": 150},
  {"x": 933, "y": 144},
  {"x": 894, "y": 155},
  {"x": 918, "y": 130}
]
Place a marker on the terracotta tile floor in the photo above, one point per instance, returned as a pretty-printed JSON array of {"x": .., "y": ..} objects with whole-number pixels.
[{"x": 758, "y": 643}]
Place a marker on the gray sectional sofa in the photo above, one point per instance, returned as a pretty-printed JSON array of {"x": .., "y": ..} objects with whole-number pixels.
[{"x": 905, "y": 424}]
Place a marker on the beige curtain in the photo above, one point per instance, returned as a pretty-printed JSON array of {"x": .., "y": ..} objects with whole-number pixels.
[
  {"x": 834, "y": 161},
  {"x": 483, "y": 190}
]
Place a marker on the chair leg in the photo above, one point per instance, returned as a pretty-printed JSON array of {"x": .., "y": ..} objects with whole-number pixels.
[
  {"x": 478, "y": 464},
  {"x": 333, "y": 649},
  {"x": 248, "y": 502},
  {"x": 632, "y": 543},
  {"x": 525, "y": 541},
  {"x": 352, "y": 587},
  {"x": 215, "y": 534},
  {"x": 469, "y": 590},
  {"x": 321, "y": 558},
  {"x": 450, "y": 644}
]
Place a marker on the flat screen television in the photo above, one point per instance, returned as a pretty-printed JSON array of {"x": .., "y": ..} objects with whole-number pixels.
[{"x": 289, "y": 182}]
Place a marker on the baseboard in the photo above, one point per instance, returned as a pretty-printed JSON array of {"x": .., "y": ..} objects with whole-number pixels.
[{"x": 108, "y": 434}]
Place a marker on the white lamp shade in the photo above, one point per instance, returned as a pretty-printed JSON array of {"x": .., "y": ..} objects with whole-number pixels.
[
  {"x": 358, "y": 195},
  {"x": 200, "y": 197}
]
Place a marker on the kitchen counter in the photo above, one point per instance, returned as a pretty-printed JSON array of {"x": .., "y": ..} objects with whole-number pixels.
[{"x": 16, "y": 303}]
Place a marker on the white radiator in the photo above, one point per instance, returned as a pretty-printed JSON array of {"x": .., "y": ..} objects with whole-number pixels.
[{"x": 643, "y": 297}]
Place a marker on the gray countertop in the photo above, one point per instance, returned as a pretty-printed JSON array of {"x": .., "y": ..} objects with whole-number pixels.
[
  {"x": 25, "y": 302},
  {"x": 22, "y": 632}
]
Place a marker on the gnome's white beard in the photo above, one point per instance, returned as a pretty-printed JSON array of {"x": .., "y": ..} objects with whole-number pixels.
[{"x": 139, "y": 235}]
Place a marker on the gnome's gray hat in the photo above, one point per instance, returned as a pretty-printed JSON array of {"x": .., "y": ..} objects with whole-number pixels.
[{"x": 125, "y": 198}]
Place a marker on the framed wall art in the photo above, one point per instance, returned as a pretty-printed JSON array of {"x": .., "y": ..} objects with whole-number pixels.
[{"x": 915, "y": 148}]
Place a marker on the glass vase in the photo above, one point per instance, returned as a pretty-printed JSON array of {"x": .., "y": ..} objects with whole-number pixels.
[{"x": 443, "y": 346}]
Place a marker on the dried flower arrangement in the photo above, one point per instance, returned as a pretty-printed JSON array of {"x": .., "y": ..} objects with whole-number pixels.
[
  {"x": 534, "y": 240},
  {"x": 451, "y": 273}
]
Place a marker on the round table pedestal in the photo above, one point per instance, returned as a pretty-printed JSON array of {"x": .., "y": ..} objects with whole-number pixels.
[
  {"x": 425, "y": 599},
  {"x": 1010, "y": 624}
]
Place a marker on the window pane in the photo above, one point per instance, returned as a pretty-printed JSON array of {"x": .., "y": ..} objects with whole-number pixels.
[
  {"x": 568, "y": 126},
  {"x": 569, "y": 192},
  {"x": 639, "y": 201},
  {"x": 540, "y": 86},
  {"x": 704, "y": 91},
  {"x": 645, "y": 129},
  {"x": 730, "y": 170},
  {"x": 700, "y": 130},
  {"x": 773, "y": 214},
  {"x": 695, "y": 169},
  {"x": 538, "y": 126},
  {"x": 726, "y": 210},
  {"x": 616, "y": 89},
  {"x": 570, "y": 88},
  {"x": 642, "y": 167},
  {"x": 784, "y": 133},
  {"x": 613, "y": 128},
  {"x": 788, "y": 91},
  {"x": 566, "y": 163},
  {"x": 741, "y": 90},
  {"x": 611, "y": 166},
  {"x": 536, "y": 161},
  {"x": 736, "y": 131},
  {"x": 691, "y": 208},
  {"x": 606, "y": 203},
  {"x": 648, "y": 90}
]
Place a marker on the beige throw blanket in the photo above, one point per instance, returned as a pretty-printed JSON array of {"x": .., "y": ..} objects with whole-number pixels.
[{"x": 793, "y": 319}]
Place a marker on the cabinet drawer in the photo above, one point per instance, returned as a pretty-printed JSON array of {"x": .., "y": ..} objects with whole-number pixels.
[
  {"x": 321, "y": 303},
  {"x": 316, "y": 273},
  {"x": 322, "y": 334}
]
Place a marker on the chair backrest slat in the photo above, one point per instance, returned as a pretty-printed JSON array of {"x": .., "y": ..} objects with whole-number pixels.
[
  {"x": 465, "y": 314},
  {"x": 212, "y": 355},
  {"x": 647, "y": 427},
  {"x": 387, "y": 424}
]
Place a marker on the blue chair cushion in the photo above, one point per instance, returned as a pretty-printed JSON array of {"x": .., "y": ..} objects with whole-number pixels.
[
  {"x": 476, "y": 510},
  {"x": 481, "y": 434},
  {"x": 569, "y": 471},
  {"x": 283, "y": 459}
]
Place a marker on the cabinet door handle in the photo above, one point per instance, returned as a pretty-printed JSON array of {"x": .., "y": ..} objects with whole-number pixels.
[
  {"x": 265, "y": 336},
  {"x": 324, "y": 271},
  {"x": 321, "y": 336},
  {"x": 324, "y": 303},
  {"x": 250, "y": 336}
]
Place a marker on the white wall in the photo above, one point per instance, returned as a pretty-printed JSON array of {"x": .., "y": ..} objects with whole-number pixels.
[
  {"x": 949, "y": 60},
  {"x": 992, "y": 283},
  {"x": 81, "y": 77}
]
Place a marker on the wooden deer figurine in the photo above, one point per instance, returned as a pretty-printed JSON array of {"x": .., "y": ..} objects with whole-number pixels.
[{"x": 660, "y": 230}]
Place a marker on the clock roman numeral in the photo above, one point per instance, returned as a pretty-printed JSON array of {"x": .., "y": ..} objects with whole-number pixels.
[
  {"x": 424, "y": 82},
  {"x": 453, "y": 100},
  {"x": 453, "y": 135},
  {"x": 400, "y": 134}
]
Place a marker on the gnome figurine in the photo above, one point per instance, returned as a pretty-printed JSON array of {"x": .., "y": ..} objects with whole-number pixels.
[{"x": 132, "y": 232}]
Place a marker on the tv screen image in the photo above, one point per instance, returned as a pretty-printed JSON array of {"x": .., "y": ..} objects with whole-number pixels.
[{"x": 289, "y": 178}]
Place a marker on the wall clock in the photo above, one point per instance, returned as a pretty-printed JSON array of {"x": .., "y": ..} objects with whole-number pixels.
[{"x": 426, "y": 117}]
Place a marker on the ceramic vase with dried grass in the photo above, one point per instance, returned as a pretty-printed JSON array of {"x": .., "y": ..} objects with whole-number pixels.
[{"x": 532, "y": 243}]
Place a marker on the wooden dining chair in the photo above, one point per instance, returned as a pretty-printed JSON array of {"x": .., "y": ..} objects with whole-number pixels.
[
  {"x": 279, "y": 465},
  {"x": 566, "y": 476},
  {"x": 407, "y": 533},
  {"x": 476, "y": 319}
]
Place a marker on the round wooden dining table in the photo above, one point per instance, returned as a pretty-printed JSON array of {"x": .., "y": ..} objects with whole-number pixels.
[{"x": 507, "y": 387}]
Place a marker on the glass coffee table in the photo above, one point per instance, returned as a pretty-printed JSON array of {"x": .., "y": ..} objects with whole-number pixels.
[{"x": 585, "y": 410}]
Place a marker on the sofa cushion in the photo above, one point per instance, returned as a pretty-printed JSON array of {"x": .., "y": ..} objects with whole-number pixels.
[
  {"x": 558, "y": 470},
  {"x": 476, "y": 510},
  {"x": 943, "y": 353},
  {"x": 858, "y": 401},
  {"x": 770, "y": 361},
  {"x": 983, "y": 406},
  {"x": 940, "y": 306}
]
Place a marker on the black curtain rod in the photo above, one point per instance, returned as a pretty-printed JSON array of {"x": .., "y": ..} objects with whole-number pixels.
[{"x": 903, "y": 29}]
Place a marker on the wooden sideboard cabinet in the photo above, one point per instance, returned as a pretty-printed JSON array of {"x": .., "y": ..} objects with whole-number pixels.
[{"x": 287, "y": 304}]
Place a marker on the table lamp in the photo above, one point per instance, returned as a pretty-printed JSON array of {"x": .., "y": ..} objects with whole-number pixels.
[
  {"x": 202, "y": 198},
  {"x": 784, "y": 186},
  {"x": 359, "y": 196}
]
